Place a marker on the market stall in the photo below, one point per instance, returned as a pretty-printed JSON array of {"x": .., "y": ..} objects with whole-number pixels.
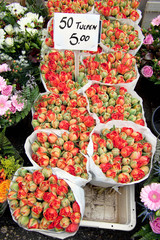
[{"x": 78, "y": 111}]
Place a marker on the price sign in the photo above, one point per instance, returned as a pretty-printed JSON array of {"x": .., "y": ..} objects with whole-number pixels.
[{"x": 76, "y": 31}]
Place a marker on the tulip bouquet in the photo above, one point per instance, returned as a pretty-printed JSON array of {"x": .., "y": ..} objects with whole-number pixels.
[
  {"x": 120, "y": 153},
  {"x": 118, "y": 9},
  {"x": 57, "y": 72},
  {"x": 69, "y": 6},
  {"x": 150, "y": 202},
  {"x": 66, "y": 111},
  {"x": 115, "y": 103},
  {"x": 40, "y": 200},
  {"x": 59, "y": 149},
  {"x": 16, "y": 99},
  {"x": 111, "y": 68},
  {"x": 120, "y": 35},
  {"x": 149, "y": 55}
]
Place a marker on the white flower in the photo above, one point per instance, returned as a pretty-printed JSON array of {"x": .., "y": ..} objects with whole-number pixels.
[
  {"x": 44, "y": 33},
  {"x": 2, "y": 35},
  {"x": 9, "y": 29},
  {"x": 23, "y": 24},
  {"x": 16, "y": 9},
  {"x": 9, "y": 42},
  {"x": 32, "y": 16},
  {"x": 17, "y": 30}
]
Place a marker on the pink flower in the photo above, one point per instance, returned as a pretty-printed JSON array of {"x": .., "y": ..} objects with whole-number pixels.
[
  {"x": 156, "y": 21},
  {"x": 7, "y": 90},
  {"x": 12, "y": 108},
  {"x": 148, "y": 39},
  {"x": 159, "y": 63},
  {"x": 2, "y": 83},
  {"x": 17, "y": 104},
  {"x": 4, "y": 104},
  {"x": 147, "y": 71},
  {"x": 155, "y": 225},
  {"x": 150, "y": 196},
  {"x": 4, "y": 68}
]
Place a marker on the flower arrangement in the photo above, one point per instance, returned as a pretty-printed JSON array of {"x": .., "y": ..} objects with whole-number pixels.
[
  {"x": 66, "y": 111},
  {"x": 150, "y": 202},
  {"x": 122, "y": 153},
  {"x": 21, "y": 30},
  {"x": 41, "y": 200},
  {"x": 15, "y": 99},
  {"x": 117, "y": 36},
  {"x": 110, "y": 103},
  {"x": 58, "y": 71},
  {"x": 118, "y": 9},
  {"x": 10, "y": 161},
  {"x": 63, "y": 152},
  {"x": 149, "y": 54},
  {"x": 69, "y": 6},
  {"x": 110, "y": 68}
]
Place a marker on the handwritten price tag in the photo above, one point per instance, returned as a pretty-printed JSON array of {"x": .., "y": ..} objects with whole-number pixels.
[{"x": 76, "y": 31}]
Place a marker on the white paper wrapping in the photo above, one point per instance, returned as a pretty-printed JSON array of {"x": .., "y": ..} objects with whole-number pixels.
[
  {"x": 98, "y": 177},
  {"x": 78, "y": 194},
  {"x": 75, "y": 179}
]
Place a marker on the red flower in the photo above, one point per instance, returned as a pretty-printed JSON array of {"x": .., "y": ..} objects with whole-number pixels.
[
  {"x": 105, "y": 166},
  {"x": 38, "y": 176},
  {"x": 75, "y": 207},
  {"x": 56, "y": 203},
  {"x": 49, "y": 196},
  {"x": 72, "y": 227},
  {"x": 89, "y": 121},
  {"x": 126, "y": 151},
  {"x": 62, "y": 190},
  {"x": 119, "y": 142},
  {"x": 137, "y": 136},
  {"x": 66, "y": 211},
  {"x": 137, "y": 174},
  {"x": 64, "y": 125},
  {"x": 50, "y": 214}
]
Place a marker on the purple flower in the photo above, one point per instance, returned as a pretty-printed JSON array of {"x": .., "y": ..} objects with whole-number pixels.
[
  {"x": 4, "y": 68},
  {"x": 155, "y": 225},
  {"x": 7, "y": 90},
  {"x": 147, "y": 71},
  {"x": 156, "y": 21},
  {"x": 148, "y": 39}
]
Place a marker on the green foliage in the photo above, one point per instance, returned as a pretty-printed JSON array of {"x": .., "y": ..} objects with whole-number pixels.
[
  {"x": 146, "y": 234},
  {"x": 37, "y": 6},
  {"x": 10, "y": 160}
]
